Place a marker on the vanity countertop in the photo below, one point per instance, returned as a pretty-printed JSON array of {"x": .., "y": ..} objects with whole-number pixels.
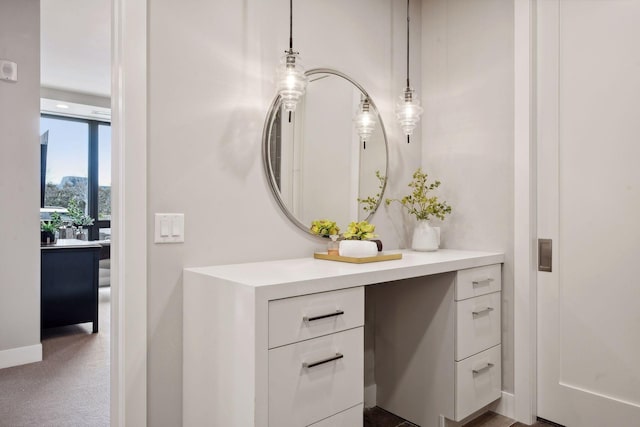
[{"x": 323, "y": 275}]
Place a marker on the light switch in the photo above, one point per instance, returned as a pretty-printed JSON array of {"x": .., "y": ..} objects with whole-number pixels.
[
  {"x": 164, "y": 226},
  {"x": 169, "y": 228},
  {"x": 177, "y": 225}
]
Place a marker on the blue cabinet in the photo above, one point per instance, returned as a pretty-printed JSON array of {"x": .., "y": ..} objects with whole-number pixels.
[{"x": 69, "y": 285}]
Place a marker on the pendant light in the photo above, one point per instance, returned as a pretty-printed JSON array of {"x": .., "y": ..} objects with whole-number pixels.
[
  {"x": 292, "y": 81},
  {"x": 365, "y": 120},
  {"x": 408, "y": 110}
]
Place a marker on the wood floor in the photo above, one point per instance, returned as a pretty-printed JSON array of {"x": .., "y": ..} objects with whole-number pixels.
[{"x": 377, "y": 417}]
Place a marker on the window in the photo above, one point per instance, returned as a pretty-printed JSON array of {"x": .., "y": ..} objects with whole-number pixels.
[
  {"x": 76, "y": 165},
  {"x": 104, "y": 181}
]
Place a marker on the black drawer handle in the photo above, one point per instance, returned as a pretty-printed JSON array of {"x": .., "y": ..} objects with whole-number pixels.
[
  {"x": 323, "y": 316},
  {"x": 323, "y": 361}
]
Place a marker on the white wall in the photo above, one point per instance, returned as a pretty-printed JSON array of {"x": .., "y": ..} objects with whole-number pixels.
[
  {"x": 211, "y": 73},
  {"x": 20, "y": 177},
  {"x": 468, "y": 79}
]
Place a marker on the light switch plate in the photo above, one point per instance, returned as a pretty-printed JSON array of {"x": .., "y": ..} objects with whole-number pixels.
[
  {"x": 169, "y": 228},
  {"x": 8, "y": 70}
]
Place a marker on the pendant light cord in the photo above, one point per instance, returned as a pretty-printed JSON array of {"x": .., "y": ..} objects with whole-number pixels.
[
  {"x": 291, "y": 24},
  {"x": 408, "y": 85}
]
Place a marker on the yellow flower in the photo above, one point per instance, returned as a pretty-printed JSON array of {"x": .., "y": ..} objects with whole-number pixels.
[
  {"x": 360, "y": 231},
  {"x": 324, "y": 227}
]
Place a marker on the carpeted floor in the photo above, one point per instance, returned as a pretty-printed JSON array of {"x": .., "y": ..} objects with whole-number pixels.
[{"x": 70, "y": 387}]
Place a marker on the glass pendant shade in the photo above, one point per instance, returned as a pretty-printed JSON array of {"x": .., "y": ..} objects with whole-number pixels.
[
  {"x": 292, "y": 81},
  {"x": 365, "y": 120},
  {"x": 408, "y": 111}
]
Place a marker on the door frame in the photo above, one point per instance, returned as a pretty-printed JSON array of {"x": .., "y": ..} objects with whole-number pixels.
[
  {"x": 129, "y": 211},
  {"x": 525, "y": 212}
]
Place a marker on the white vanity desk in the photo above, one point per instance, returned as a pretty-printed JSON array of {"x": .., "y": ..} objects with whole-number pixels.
[{"x": 258, "y": 338}]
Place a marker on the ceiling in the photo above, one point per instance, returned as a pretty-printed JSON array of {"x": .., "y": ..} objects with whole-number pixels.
[{"x": 76, "y": 45}]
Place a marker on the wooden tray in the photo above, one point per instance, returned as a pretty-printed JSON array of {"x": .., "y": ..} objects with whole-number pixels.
[{"x": 357, "y": 260}]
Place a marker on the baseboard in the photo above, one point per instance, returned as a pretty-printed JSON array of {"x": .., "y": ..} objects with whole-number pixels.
[
  {"x": 20, "y": 356},
  {"x": 370, "y": 393},
  {"x": 506, "y": 406}
]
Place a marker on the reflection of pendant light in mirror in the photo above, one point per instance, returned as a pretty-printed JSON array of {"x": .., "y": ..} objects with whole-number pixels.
[
  {"x": 291, "y": 79},
  {"x": 408, "y": 110},
  {"x": 365, "y": 120}
]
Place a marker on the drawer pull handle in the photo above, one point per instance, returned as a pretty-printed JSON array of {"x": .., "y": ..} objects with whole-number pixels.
[
  {"x": 479, "y": 311},
  {"x": 483, "y": 368},
  {"x": 484, "y": 281},
  {"x": 323, "y": 316},
  {"x": 323, "y": 361}
]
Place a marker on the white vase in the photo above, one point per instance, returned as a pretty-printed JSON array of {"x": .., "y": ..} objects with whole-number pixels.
[
  {"x": 358, "y": 248},
  {"x": 425, "y": 237}
]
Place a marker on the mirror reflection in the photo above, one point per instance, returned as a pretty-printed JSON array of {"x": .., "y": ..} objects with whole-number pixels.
[{"x": 323, "y": 157}]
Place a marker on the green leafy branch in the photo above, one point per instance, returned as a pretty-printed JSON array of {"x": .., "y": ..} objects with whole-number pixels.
[
  {"x": 53, "y": 224},
  {"x": 371, "y": 202},
  {"x": 418, "y": 203},
  {"x": 77, "y": 214}
]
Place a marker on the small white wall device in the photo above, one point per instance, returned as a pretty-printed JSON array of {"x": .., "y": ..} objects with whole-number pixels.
[{"x": 8, "y": 70}]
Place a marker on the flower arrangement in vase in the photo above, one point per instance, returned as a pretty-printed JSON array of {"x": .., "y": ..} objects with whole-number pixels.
[
  {"x": 327, "y": 228},
  {"x": 420, "y": 204},
  {"x": 356, "y": 241}
]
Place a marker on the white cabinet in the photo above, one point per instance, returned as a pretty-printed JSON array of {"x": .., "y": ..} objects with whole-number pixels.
[
  {"x": 315, "y": 379},
  {"x": 478, "y": 381},
  {"x": 280, "y": 343},
  {"x": 309, "y": 316},
  {"x": 316, "y": 357},
  {"x": 472, "y": 282},
  {"x": 438, "y": 344},
  {"x": 477, "y": 324},
  {"x": 478, "y": 336}
]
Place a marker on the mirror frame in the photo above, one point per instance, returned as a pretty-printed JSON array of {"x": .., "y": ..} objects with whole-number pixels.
[{"x": 266, "y": 157}]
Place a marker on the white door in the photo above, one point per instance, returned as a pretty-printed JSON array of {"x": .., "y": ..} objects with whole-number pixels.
[{"x": 588, "y": 128}]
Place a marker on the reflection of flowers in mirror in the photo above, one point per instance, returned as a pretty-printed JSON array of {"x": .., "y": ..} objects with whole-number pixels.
[{"x": 324, "y": 228}]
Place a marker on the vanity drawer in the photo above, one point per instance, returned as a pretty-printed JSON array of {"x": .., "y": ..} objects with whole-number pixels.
[
  {"x": 309, "y": 316},
  {"x": 350, "y": 418},
  {"x": 478, "y": 381},
  {"x": 305, "y": 387},
  {"x": 473, "y": 282},
  {"x": 478, "y": 324}
]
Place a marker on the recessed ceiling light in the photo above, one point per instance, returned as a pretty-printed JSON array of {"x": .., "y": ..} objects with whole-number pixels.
[{"x": 62, "y": 106}]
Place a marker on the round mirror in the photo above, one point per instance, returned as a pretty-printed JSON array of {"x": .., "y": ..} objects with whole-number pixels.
[{"x": 329, "y": 157}]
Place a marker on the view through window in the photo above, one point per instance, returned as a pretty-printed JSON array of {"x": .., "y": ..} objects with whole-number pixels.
[{"x": 76, "y": 160}]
